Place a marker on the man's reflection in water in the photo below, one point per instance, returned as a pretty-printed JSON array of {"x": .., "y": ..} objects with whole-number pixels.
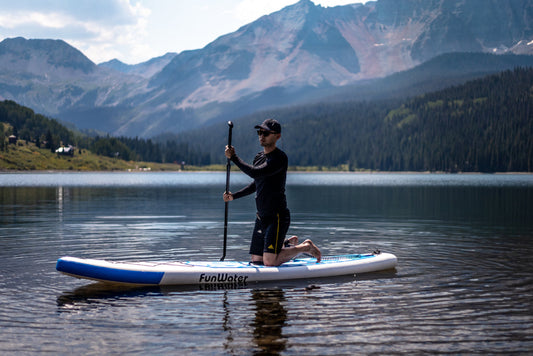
[{"x": 270, "y": 317}]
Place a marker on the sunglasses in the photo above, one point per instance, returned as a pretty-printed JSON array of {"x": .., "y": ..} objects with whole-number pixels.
[{"x": 264, "y": 133}]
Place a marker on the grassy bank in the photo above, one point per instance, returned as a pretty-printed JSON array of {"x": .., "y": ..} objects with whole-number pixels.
[{"x": 27, "y": 157}]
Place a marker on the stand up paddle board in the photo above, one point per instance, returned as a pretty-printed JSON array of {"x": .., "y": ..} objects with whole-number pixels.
[{"x": 221, "y": 272}]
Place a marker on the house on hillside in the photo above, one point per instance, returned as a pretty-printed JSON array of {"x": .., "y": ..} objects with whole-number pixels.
[
  {"x": 13, "y": 139},
  {"x": 65, "y": 151}
]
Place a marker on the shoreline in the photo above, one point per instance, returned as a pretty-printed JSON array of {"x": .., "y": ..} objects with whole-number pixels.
[{"x": 300, "y": 171}]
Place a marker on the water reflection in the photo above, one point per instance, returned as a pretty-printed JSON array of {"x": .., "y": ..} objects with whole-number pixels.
[
  {"x": 509, "y": 206},
  {"x": 101, "y": 293},
  {"x": 270, "y": 318},
  {"x": 267, "y": 318}
]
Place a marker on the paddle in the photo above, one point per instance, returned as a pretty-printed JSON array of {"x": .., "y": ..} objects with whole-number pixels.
[{"x": 228, "y": 168}]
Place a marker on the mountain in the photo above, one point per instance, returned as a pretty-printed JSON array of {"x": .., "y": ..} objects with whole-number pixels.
[
  {"x": 440, "y": 72},
  {"x": 53, "y": 77},
  {"x": 36, "y": 57},
  {"x": 146, "y": 69},
  {"x": 302, "y": 53}
]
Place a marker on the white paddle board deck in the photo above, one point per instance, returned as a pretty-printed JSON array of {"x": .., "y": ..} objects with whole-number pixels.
[{"x": 221, "y": 272}]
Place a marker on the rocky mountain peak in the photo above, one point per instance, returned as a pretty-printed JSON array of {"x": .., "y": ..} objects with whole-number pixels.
[{"x": 42, "y": 56}]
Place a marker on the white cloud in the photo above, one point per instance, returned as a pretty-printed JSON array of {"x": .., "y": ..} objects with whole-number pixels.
[
  {"x": 101, "y": 29},
  {"x": 19, "y": 19},
  {"x": 102, "y": 11},
  {"x": 123, "y": 40}
]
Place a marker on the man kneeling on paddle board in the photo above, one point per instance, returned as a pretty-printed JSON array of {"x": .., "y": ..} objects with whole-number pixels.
[{"x": 269, "y": 173}]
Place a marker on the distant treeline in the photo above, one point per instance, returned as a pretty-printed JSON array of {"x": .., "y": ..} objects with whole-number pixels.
[
  {"x": 147, "y": 150},
  {"x": 485, "y": 125}
]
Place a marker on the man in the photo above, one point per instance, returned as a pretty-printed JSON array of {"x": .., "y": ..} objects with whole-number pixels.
[{"x": 269, "y": 171}]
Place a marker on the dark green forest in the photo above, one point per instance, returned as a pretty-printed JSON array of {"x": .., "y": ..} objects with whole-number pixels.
[
  {"x": 27, "y": 125},
  {"x": 484, "y": 125}
]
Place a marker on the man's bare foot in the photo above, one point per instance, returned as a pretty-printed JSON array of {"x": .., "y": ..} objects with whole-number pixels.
[
  {"x": 291, "y": 241},
  {"x": 313, "y": 250}
]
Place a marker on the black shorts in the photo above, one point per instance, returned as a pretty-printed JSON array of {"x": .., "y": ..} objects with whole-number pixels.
[{"x": 269, "y": 233}]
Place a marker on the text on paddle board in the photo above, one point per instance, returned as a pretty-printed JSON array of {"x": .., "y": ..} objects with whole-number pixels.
[{"x": 222, "y": 278}]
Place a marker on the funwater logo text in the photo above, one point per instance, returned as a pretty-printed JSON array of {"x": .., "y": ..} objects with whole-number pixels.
[{"x": 222, "y": 278}]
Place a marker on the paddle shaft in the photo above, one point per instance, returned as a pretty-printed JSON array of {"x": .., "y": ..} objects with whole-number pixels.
[{"x": 228, "y": 169}]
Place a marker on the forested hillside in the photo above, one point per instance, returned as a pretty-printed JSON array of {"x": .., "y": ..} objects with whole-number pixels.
[
  {"x": 485, "y": 125},
  {"x": 48, "y": 133},
  {"x": 25, "y": 124}
]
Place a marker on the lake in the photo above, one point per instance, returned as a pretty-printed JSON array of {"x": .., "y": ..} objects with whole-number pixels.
[{"x": 463, "y": 285}]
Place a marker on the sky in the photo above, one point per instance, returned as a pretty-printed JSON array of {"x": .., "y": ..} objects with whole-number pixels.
[{"x": 134, "y": 31}]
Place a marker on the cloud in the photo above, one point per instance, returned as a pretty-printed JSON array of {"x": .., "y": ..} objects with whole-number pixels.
[
  {"x": 99, "y": 28},
  {"x": 119, "y": 12}
]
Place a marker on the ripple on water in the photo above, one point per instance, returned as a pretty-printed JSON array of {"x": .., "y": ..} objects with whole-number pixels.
[{"x": 463, "y": 285}]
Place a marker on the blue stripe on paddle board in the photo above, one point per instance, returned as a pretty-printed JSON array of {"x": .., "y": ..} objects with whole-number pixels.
[{"x": 108, "y": 274}]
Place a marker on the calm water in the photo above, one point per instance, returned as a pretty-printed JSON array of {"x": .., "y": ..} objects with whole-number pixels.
[{"x": 464, "y": 283}]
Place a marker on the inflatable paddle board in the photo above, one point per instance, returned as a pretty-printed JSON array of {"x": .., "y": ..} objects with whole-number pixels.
[{"x": 221, "y": 272}]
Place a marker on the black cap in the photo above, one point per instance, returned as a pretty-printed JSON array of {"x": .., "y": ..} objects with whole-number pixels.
[{"x": 270, "y": 125}]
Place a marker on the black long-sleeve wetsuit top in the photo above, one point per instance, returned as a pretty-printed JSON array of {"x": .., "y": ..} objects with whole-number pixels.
[{"x": 269, "y": 172}]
